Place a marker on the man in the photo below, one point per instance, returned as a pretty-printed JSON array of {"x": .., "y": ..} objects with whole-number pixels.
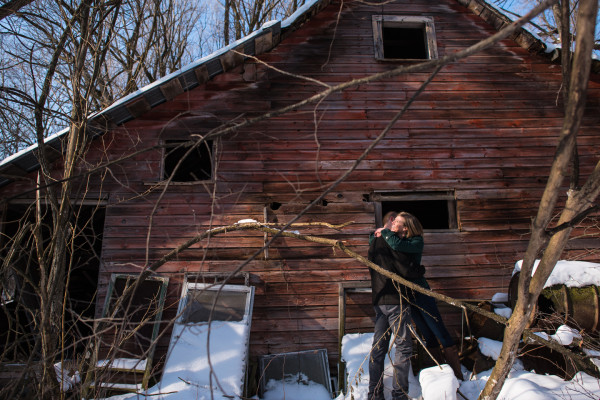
[{"x": 392, "y": 315}]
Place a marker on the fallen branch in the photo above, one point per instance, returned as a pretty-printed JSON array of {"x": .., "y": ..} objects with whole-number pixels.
[{"x": 582, "y": 362}]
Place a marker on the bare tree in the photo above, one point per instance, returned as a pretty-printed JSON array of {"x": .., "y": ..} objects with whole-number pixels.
[
  {"x": 556, "y": 26},
  {"x": 152, "y": 39},
  {"x": 12, "y": 7},
  {"x": 245, "y": 16},
  {"x": 75, "y": 64},
  {"x": 149, "y": 39}
]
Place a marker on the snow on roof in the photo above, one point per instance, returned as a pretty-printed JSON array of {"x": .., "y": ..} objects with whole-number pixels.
[
  {"x": 50, "y": 138},
  {"x": 289, "y": 21}
]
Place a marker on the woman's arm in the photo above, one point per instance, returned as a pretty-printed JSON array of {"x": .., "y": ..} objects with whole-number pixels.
[{"x": 406, "y": 245}]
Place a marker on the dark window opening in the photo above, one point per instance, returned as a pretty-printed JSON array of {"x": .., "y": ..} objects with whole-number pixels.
[
  {"x": 434, "y": 209},
  {"x": 138, "y": 317},
  {"x": 404, "y": 37},
  {"x": 433, "y": 214},
  {"x": 196, "y": 166},
  {"x": 404, "y": 43}
]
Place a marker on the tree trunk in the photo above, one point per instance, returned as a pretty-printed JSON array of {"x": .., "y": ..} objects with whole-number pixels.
[{"x": 530, "y": 288}]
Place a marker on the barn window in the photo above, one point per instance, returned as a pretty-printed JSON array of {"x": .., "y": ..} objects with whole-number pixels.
[
  {"x": 132, "y": 330},
  {"x": 435, "y": 210},
  {"x": 204, "y": 302},
  {"x": 188, "y": 164},
  {"x": 228, "y": 307},
  {"x": 404, "y": 37}
]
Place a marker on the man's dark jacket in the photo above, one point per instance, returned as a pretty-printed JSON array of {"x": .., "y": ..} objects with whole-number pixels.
[{"x": 384, "y": 290}]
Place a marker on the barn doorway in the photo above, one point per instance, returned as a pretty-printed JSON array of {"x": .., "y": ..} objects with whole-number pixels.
[{"x": 21, "y": 274}]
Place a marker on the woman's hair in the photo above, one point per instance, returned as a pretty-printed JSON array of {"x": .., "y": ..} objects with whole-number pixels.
[{"x": 412, "y": 224}]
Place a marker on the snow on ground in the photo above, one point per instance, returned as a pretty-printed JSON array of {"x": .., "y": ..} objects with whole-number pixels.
[
  {"x": 186, "y": 375},
  {"x": 439, "y": 384}
]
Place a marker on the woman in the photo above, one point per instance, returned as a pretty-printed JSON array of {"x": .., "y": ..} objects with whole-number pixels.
[{"x": 409, "y": 240}]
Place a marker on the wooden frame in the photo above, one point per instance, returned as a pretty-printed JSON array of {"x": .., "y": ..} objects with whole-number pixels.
[
  {"x": 144, "y": 365},
  {"x": 181, "y": 312},
  {"x": 343, "y": 288},
  {"x": 181, "y": 325},
  {"x": 443, "y": 195},
  {"x": 311, "y": 363},
  {"x": 399, "y": 21}
]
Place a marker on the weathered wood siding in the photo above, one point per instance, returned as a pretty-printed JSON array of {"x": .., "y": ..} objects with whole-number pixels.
[{"x": 486, "y": 127}]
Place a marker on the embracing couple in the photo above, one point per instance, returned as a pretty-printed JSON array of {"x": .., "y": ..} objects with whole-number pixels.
[{"x": 397, "y": 248}]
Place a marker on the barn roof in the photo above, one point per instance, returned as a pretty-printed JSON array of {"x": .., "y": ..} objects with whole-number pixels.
[{"x": 204, "y": 69}]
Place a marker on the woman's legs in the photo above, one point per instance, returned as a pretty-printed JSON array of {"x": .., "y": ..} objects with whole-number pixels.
[{"x": 429, "y": 321}]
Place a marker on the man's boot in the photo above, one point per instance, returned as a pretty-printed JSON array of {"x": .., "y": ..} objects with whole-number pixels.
[
  {"x": 451, "y": 354},
  {"x": 436, "y": 353}
]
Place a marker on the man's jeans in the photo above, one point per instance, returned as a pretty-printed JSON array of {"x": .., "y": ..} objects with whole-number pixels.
[{"x": 390, "y": 320}]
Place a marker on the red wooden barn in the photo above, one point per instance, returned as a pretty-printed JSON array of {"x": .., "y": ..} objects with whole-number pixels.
[{"x": 469, "y": 157}]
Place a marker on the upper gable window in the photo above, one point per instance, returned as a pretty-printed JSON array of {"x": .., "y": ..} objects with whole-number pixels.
[
  {"x": 188, "y": 165},
  {"x": 404, "y": 38}
]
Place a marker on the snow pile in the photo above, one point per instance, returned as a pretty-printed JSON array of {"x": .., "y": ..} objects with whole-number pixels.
[
  {"x": 505, "y": 312},
  {"x": 438, "y": 383},
  {"x": 355, "y": 352},
  {"x": 500, "y": 297},
  {"x": 187, "y": 373},
  {"x": 434, "y": 382},
  {"x": 489, "y": 347},
  {"x": 187, "y": 368},
  {"x": 569, "y": 273},
  {"x": 66, "y": 380},
  {"x": 123, "y": 363},
  {"x": 355, "y": 348},
  {"x": 525, "y": 385},
  {"x": 565, "y": 335}
]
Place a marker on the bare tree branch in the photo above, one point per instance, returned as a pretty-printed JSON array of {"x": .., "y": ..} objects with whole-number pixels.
[{"x": 12, "y": 7}]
